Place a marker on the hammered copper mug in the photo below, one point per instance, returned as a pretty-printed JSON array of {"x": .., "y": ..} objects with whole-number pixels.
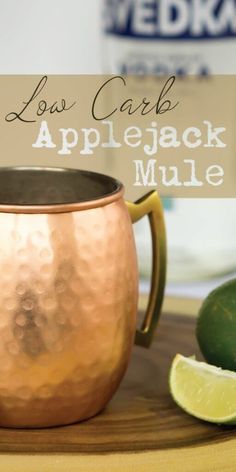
[{"x": 68, "y": 292}]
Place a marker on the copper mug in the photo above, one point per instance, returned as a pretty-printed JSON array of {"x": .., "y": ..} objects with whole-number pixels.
[{"x": 68, "y": 292}]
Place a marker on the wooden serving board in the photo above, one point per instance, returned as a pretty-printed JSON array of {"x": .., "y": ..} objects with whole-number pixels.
[{"x": 141, "y": 417}]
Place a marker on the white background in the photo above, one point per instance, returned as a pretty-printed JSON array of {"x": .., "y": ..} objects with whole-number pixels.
[{"x": 50, "y": 36}]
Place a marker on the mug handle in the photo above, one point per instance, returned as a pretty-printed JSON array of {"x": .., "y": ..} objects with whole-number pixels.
[{"x": 151, "y": 206}]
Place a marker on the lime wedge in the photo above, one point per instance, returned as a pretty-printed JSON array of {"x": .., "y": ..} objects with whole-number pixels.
[{"x": 204, "y": 391}]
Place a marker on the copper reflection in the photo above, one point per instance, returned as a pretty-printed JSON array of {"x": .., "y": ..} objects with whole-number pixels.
[{"x": 68, "y": 301}]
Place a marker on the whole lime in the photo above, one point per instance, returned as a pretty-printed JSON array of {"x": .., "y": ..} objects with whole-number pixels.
[{"x": 216, "y": 326}]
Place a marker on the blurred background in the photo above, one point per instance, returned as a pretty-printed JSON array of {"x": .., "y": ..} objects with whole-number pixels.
[
  {"x": 77, "y": 37},
  {"x": 54, "y": 37}
]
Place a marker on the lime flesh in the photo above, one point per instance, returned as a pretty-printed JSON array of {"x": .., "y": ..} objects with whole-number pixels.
[{"x": 204, "y": 391}]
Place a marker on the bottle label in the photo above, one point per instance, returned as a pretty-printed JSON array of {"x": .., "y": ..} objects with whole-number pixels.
[
  {"x": 171, "y": 19},
  {"x": 165, "y": 37}
]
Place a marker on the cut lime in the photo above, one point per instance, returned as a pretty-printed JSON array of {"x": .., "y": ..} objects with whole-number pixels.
[{"x": 204, "y": 391}]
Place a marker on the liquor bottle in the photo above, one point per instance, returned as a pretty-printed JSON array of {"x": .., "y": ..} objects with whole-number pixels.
[{"x": 179, "y": 37}]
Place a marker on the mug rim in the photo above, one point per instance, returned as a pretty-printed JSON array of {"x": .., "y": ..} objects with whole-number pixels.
[{"x": 63, "y": 207}]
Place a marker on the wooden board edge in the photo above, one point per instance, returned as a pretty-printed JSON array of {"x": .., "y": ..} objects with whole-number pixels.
[{"x": 214, "y": 457}]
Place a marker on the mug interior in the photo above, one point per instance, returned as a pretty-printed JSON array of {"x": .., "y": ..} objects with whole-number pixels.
[{"x": 52, "y": 186}]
